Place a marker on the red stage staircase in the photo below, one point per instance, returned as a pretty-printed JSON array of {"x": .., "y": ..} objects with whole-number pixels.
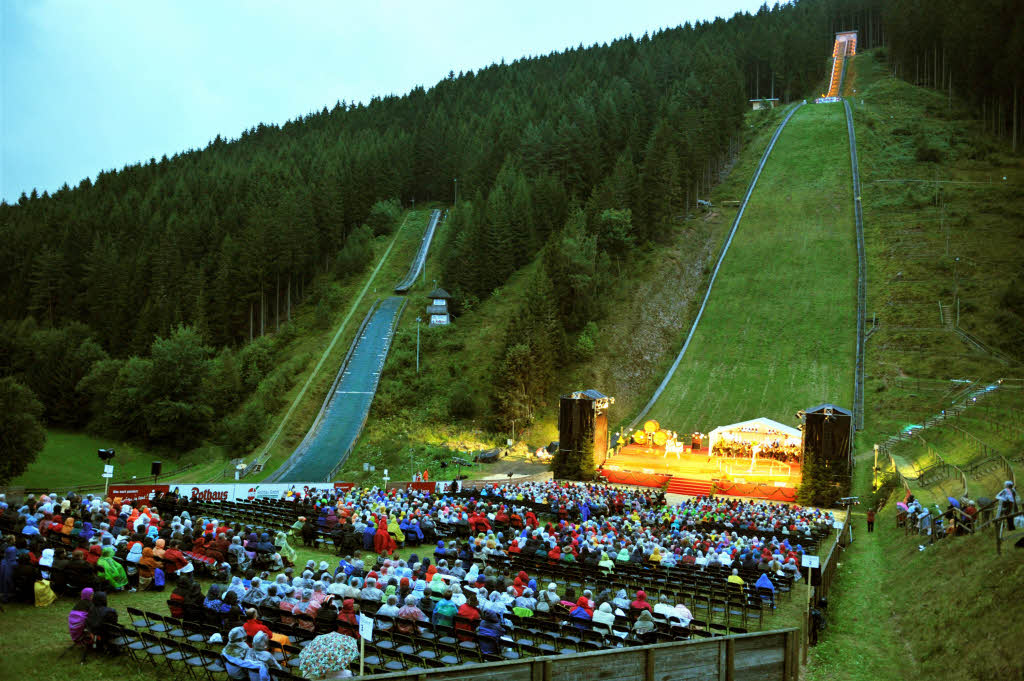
[{"x": 689, "y": 487}]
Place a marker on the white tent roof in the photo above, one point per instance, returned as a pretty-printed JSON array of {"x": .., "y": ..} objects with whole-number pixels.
[{"x": 761, "y": 424}]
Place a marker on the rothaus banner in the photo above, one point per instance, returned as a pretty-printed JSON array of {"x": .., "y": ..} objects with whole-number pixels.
[
  {"x": 254, "y": 491},
  {"x": 206, "y": 492}
]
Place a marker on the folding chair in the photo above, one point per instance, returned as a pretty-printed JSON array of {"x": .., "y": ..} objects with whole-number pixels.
[
  {"x": 173, "y": 652},
  {"x": 138, "y": 618}
]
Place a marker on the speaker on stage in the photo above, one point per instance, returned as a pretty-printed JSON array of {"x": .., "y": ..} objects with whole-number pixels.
[
  {"x": 828, "y": 443},
  {"x": 155, "y": 468},
  {"x": 582, "y": 434}
]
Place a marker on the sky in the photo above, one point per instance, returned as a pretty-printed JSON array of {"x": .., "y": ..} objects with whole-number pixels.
[{"x": 91, "y": 85}]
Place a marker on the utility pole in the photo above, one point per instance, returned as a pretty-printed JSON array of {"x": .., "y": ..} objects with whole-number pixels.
[
  {"x": 418, "y": 344},
  {"x": 456, "y": 181}
]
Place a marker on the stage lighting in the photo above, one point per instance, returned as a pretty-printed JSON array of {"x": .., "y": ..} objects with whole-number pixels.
[{"x": 105, "y": 454}]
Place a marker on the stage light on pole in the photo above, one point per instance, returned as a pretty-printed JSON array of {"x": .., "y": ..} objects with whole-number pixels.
[{"x": 418, "y": 320}]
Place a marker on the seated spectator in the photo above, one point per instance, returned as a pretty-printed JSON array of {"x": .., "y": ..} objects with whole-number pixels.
[
  {"x": 644, "y": 623},
  {"x": 176, "y": 601},
  {"x": 111, "y": 571},
  {"x": 663, "y": 608},
  {"x": 237, "y": 647},
  {"x": 641, "y": 602},
  {"x": 231, "y": 611},
  {"x": 527, "y": 600},
  {"x": 147, "y": 565},
  {"x": 348, "y": 618},
  {"x": 582, "y": 610},
  {"x": 99, "y": 620},
  {"x": 469, "y": 611},
  {"x": 259, "y": 653},
  {"x": 389, "y": 609},
  {"x": 489, "y": 631},
  {"x": 408, "y": 616},
  {"x": 253, "y": 626},
  {"x": 604, "y": 618},
  {"x": 735, "y": 578},
  {"x": 444, "y": 611},
  {"x": 174, "y": 559},
  {"x": 78, "y": 615}
]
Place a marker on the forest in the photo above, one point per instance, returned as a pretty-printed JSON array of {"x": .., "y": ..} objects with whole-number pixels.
[{"x": 145, "y": 303}]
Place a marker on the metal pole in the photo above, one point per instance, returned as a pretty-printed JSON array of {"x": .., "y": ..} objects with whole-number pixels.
[
  {"x": 456, "y": 181},
  {"x": 417, "y": 345}
]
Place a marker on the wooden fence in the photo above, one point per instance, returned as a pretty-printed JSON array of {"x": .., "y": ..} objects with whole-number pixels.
[{"x": 762, "y": 656}]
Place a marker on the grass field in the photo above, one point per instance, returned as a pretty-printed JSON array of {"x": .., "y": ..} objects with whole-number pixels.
[
  {"x": 897, "y": 612},
  {"x": 70, "y": 459},
  {"x": 779, "y": 332}
]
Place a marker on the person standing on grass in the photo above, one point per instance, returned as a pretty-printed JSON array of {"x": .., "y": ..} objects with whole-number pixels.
[
  {"x": 1007, "y": 499},
  {"x": 871, "y": 520}
]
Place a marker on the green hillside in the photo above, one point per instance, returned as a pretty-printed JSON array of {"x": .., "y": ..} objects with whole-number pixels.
[{"x": 779, "y": 332}]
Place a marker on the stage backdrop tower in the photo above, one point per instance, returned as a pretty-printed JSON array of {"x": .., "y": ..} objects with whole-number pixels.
[
  {"x": 582, "y": 434},
  {"x": 827, "y": 451}
]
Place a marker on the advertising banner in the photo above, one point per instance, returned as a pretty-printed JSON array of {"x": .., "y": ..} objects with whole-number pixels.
[
  {"x": 269, "y": 490},
  {"x": 130, "y": 493},
  {"x": 232, "y": 492},
  {"x": 207, "y": 492}
]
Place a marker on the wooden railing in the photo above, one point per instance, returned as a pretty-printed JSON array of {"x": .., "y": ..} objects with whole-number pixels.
[{"x": 765, "y": 656}]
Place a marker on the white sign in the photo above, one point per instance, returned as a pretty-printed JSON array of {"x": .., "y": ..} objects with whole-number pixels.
[
  {"x": 108, "y": 470},
  {"x": 366, "y": 627},
  {"x": 809, "y": 561},
  {"x": 837, "y": 525},
  {"x": 509, "y": 441}
]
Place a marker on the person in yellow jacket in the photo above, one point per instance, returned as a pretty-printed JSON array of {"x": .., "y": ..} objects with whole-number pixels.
[{"x": 395, "y": 531}]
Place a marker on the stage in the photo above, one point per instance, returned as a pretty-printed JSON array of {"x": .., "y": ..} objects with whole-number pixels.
[{"x": 658, "y": 466}]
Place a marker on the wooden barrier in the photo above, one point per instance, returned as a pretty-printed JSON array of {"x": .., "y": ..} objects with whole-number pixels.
[{"x": 763, "y": 656}]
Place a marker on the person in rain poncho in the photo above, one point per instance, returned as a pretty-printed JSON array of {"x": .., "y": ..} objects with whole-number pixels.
[
  {"x": 286, "y": 551},
  {"x": 259, "y": 653},
  {"x": 112, "y": 571}
]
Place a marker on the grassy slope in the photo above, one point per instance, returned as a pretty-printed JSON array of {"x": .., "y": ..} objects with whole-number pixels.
[
  {"x": 409, "y": 422},
  {"x": 70, "y": 459},
  {"x": 778, "y": 334},
  {"x": 896, "y": 612}
]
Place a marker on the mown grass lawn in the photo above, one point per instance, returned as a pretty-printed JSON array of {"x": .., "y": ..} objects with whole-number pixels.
[
  {"x": 69, "y": 459},
  {"x": 779, "y": 332}
]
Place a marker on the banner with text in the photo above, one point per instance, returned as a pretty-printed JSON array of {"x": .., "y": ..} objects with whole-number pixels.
[
  {"x": 254, "y": 491},
  {"x": 130, "y": 493}
]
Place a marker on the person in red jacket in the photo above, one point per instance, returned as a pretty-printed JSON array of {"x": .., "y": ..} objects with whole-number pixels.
[
  {"x": 469, "y": 611},
  {"x": 641, "y": 602},
  {"x": 174, "y": 559},
  {"x": 253, "y": 626},
  {"x": 383, "y": 544}
]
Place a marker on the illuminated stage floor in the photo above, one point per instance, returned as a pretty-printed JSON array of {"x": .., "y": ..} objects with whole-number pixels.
[{"x": 699, "y": 466}]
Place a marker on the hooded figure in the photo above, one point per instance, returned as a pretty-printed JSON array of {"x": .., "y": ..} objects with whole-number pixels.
[
  {"x": 236, "y": 645},
  {"x": 112, "y": 571},
  {"x": 79, "y": 614},
  {"x": 286, "y": 551},
  {"x": 259, "y": 653},
  {"x": 603, "y": 619}
]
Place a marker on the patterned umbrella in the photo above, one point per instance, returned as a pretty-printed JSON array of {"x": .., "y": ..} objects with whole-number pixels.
[{"x": 327, "y": 654}]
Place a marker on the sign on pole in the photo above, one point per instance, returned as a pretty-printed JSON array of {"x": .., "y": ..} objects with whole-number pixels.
[
  {"x": 810, "y": 561},
  {"x": 366, "y": 627}
]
